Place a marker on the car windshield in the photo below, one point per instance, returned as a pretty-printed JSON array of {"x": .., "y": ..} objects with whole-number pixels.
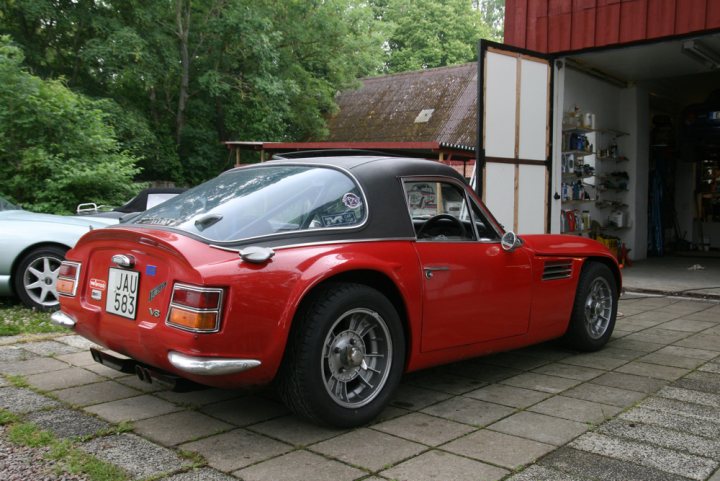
[
  {"x": 263, "y": 200},
  {"x": 5, "y": 205}
]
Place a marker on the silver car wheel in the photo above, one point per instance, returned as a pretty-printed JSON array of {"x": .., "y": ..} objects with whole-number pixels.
[
  {"x": 357, "y": 357},
  {"x": 598, "y": 307},
  {"x": 39, "y": 280}
]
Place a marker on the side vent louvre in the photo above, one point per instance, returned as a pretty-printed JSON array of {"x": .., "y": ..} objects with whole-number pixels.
[{"x": 555, "y": 270}]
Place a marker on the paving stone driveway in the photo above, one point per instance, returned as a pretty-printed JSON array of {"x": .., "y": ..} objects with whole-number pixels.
[{"x": 645, "y": 408}]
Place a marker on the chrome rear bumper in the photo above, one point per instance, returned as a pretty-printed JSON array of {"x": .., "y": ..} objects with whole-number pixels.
[
  {"x": 62, "y": 319},
  {"x": 210, "y": 366}
]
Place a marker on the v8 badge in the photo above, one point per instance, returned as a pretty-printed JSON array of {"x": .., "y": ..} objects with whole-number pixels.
[{"x": 154, "y": 312}]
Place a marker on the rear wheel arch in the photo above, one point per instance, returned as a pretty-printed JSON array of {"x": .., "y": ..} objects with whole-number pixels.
[{"x": 377, "y": 280}]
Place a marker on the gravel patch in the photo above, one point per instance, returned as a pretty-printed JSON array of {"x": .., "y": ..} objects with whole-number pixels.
[
  {"x": 20, "y": 400},
  {"x": 49, "y": 348},
  {"x": 138, "y": 456},
  {"x": 14, "y": 353},
  {"x": 204, "y": 474},
  {"x": 20, "y": 463},
  {"x": 68, "y": 423},
  {"x": 77, "y": 342}
]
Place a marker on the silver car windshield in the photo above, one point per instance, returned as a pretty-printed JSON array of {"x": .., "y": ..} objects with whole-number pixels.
[{"x": 259, "y": 201}]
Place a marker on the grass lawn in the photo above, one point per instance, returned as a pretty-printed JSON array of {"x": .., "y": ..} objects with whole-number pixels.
[{"x": 18, "y": 319}]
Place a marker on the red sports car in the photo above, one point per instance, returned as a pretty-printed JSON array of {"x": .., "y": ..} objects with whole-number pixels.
[{"x": 331, "y": 276}]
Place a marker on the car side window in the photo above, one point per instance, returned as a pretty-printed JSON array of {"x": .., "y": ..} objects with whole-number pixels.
[{"x": 439, "y": 211}]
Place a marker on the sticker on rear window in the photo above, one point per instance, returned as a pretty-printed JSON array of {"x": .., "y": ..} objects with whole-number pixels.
[
  {"x": 344, "y": 218},
  {"x": 351, "y": 201}
]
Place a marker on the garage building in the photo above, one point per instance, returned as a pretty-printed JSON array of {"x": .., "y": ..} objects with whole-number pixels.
[{"x": 625, "y": 96}]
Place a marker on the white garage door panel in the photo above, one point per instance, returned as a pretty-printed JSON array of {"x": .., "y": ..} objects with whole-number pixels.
[
  {"x": 533, "y": 110},
  {"x": 515, "y": 137},
  {"x": 499, "y": 192},
  {"x": 500, "y": 103},
  {"x": 531, "y": 199}
]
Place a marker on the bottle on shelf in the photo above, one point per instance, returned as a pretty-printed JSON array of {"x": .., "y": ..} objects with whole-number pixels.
[{"x": 614, "y": 152}]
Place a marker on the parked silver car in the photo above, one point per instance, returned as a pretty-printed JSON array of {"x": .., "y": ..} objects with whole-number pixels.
[{"x": 31, "y": 248}]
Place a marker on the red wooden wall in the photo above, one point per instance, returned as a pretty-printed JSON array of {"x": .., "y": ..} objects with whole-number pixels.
[{"x": 562, "y": 25}]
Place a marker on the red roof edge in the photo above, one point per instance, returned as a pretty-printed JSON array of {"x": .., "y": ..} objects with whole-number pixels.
[
  {"x": 428, "y": 147},
  {"x": 352, "y": 145}
]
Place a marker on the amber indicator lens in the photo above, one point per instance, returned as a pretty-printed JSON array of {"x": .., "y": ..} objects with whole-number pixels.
[
  {"x": 196, "y": 299},
  {"x": 197, "y": 321},
  {"x": 65, "y": 286}
]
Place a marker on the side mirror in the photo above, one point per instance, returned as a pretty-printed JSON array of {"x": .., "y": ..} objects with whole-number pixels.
[{"x": 510, "y": 241}]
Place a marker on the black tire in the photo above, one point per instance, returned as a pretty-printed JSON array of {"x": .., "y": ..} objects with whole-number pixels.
[
  {"x": 35, "y": 275},
  {"x": 595, "y": 309},
  {"x": 338, "y": 370}
]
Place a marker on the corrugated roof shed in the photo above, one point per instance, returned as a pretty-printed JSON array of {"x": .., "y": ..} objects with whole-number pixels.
[{"x": 435, "y": 105}]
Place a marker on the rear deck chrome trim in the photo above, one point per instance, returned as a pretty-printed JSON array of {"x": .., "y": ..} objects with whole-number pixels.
[
  {"x": 210, "y": 366},
  {"x": 322, "y": 243}
]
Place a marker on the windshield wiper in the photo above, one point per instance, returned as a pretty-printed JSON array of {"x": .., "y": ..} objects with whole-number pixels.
[{"x": 206, "y": 221}]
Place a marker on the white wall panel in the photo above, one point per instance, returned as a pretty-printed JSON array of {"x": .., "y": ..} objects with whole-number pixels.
[
  {"x": 500, "y": 105},
  {"x": 500, "y": 192},
  {"x": 531, "y": 199},
  {"x": 533, "y": 109}
]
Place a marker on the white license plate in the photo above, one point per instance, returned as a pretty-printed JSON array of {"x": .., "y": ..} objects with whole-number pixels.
[
  {"x": 714, "y": 115},
  {"x": 122, "y": 294}
]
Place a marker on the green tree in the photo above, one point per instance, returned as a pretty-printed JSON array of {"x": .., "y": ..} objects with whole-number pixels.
[
  {"x": 432, "y": 33},
  {"x": 185, "y": 75},
  {"x": 56, "y": 150},
  {"x": 493, "y": 15}
]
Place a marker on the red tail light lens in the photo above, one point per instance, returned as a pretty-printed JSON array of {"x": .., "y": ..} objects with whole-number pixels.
[
  {"x": 69, "y": 270},
  {"x": 195, "y": 309},
  {"x": 196, "y": 299},
  {"x": 68, "y": 277}
]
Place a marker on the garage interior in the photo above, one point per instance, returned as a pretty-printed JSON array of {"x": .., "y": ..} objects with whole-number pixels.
[{"x": 637, "y": 153}]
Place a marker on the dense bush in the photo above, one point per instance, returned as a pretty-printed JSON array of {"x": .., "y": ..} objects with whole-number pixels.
[{"x": 56, "y": 147}]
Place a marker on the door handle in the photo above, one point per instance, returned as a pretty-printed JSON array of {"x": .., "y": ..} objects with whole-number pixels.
[{"x": 429, "y": 270}]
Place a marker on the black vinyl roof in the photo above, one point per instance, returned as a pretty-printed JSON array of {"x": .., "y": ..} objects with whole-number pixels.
[{"x": 369, "y": 168}]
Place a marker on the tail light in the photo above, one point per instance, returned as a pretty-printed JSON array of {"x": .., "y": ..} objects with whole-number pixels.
[
  {"x": 195, "y": 309},
  {"x": 67, "y": 280}
]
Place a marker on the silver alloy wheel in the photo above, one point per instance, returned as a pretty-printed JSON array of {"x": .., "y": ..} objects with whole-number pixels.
[
  {"x": 357, "y": 357},
  {"x": 598, "y": 307},
  {"x": 39, "y": 280}
]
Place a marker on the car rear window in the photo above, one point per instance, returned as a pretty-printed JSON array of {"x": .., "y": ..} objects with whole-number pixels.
[{"x": 263, "y": 200}]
